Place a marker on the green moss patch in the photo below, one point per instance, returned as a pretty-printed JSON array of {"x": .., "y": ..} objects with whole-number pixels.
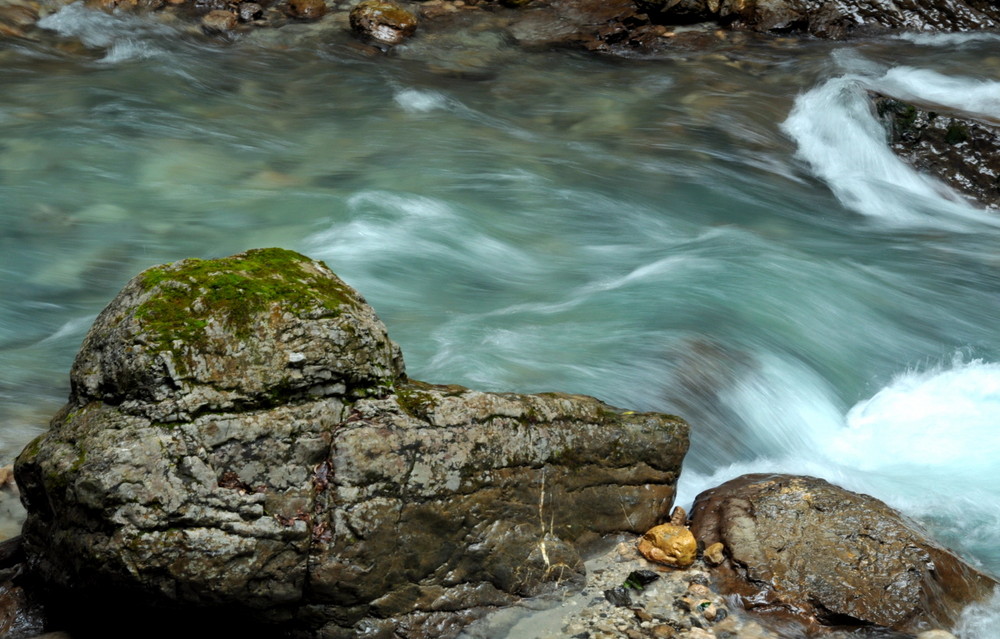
[
  {"x": 956, "y": 133},
  {"x": 234, "y": 290}
]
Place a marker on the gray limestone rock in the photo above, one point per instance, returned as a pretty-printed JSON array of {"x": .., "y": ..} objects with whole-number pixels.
[{"x": 241, "y": 438}]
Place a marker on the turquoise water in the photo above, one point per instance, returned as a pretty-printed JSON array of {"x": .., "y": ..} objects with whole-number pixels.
[{"x": 722, "y": 235}]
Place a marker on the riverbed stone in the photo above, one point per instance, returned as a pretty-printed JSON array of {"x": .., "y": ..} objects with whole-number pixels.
[
  {"x": 803, "y": 549},
  {"x": 383, "y": 21},
  {"x": 241, "y": 439},
  {"x": 832, "y": 19},
  {"x": 218, "y": 21},
  {"x": 306, "y": 9},
  {"x": 952, "y": 146}
]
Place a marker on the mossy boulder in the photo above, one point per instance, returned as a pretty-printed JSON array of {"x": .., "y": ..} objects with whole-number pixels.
[
  {"x": 241, "y": 440},
  {"x": 250, "y": 331}
]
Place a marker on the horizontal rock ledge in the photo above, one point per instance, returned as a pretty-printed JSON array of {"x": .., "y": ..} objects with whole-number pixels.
[{"x": 241, "y": 439}]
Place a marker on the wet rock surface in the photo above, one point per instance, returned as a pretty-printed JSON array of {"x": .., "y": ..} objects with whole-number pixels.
[
  {"x": 383, "y": 21},
  {"x": 618, "y": 27},
  {"x": 241, "y": 439},
  {"x": 831, "y": 19},
  {"x": 802, "y": 549},
  {"x": 957, "y": 149},
  {"x": 21, "y": 614}
]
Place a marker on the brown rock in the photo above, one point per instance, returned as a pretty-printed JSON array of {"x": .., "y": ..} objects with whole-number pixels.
[
  {"x": 306, "y": 9},
  {"x": 218, "y": 21},
  {"x": 17, "y": 17},
  {"x": 801, "y": 548},
  {"x": 715, "y": 554},
  {"x": 678, "y": 516},
  {"x": 670, "y": 545},
  {"x": 383, "y": 21},
  {"x": 111, "y": 5}
]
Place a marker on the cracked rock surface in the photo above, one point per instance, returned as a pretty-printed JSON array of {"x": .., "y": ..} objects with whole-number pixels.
[
  {"x": 801, "y": 548},
  {"x": 241, "y": 440}
]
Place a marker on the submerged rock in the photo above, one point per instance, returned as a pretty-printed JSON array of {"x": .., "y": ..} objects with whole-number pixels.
[
  {"x": 800, "y": 548},
  {"x": 954, "y": 147},
  {"x": 241, "y": 438}
]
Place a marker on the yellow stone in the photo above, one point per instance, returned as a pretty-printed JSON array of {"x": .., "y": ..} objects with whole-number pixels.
[
  {"x": 715, "y": 554},
  {"x": 669, "y": 544}
]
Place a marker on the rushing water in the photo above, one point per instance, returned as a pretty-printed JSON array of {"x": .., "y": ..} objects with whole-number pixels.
[{"x": 721, "y": 235}]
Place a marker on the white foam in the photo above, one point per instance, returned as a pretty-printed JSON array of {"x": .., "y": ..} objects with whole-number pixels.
[
  {"x": 964, "y": 94},
  {"x": 980, "y": 620},
  {"x": 949, "y": 39},
  {"x": 420, "y": 101},
  {"x": 944, "y": 422},
  {"x": 840, "y": 138},
  {"x": 126, "y": 37}
]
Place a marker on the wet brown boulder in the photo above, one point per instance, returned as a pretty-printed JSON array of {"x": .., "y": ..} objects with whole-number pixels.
[
  {"x": 804, "y": 549},
  {"x": 218, "y": 21},
  {"x": 383, "y": 21},
  {"x": 241, "y": 440},
  {"x": 954, "y": 147}
]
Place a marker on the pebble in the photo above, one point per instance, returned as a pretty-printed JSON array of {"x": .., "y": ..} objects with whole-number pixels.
[{"x": 678, "y": 605}]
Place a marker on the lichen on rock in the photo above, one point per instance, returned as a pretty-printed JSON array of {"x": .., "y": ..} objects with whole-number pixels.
[{"x": 251, "y": 330}]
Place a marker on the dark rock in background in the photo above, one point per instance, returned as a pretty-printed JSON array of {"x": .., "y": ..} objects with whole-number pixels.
[{"x": 954, "y": 147}]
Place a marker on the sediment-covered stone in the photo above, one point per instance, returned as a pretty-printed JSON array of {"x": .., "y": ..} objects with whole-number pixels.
[
  {"x": 241, "y": 439},
  {"x": 801, "y": 548}
]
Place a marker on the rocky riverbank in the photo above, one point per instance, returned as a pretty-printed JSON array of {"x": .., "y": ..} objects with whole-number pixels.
[
  {"x": 621, "y": 27},
  {"x": 242, "y": 449}
]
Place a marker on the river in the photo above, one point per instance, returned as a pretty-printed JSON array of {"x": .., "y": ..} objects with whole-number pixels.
[{"x": 722, "y": 235}]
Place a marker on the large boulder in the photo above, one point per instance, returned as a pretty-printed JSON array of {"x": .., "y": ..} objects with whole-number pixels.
[
  {"x": 241, "y": 438},
  {"x": 952, "y": 146},
  {"x": 801, "y": 548}
]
